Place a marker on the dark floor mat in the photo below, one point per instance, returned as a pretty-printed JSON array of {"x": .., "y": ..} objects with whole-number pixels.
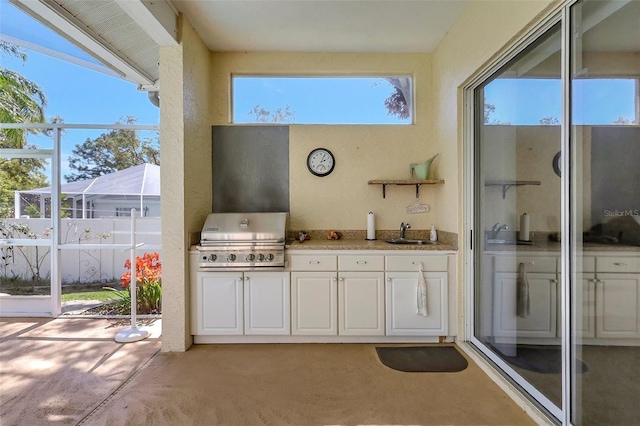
[
  {"x": 541, "y": 359},
  {"x": 423, "y": 359}
]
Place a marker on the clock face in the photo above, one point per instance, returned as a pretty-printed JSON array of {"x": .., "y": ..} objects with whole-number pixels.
[{"x": 321, "y": 162}]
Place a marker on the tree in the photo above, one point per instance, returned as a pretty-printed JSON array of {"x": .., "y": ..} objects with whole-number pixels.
[
  {"x": 115, "y": 150},
  {"x": 550, "y": 121},
  {"x": 488, "y": 110},
  {"x": 279, "y": 115},
  {"x": 21, "y": 101},
  {"x": 399, "y": 101},
  {"x": 621, "y": 120}
]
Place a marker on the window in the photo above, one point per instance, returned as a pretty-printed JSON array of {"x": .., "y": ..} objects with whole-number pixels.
[
  {"x": 322, "y": 100},
  {"x": 123, "y": 212}
]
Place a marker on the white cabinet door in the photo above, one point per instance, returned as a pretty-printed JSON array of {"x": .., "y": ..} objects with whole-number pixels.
[
  {"x": 401, "y": 304},
  {"x": 541, "y": 322},
  {"x": 267, "y": 303},
  {"x": 618, "y": 305},
  {"x": 219, "y": 303},
  {"x": 361, "y": 303},
  {"x": 314, "y": 303},
  {"x": 587, "y": 319}
]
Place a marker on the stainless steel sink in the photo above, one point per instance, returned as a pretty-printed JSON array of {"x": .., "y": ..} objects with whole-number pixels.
[{"x": 409, "y": 241}]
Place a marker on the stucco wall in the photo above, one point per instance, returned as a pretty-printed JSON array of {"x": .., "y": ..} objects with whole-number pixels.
[
  {"x": 343, "y": 199},
  {"x": 482, "y": 30},
  {"x": 185, "y": 143}
]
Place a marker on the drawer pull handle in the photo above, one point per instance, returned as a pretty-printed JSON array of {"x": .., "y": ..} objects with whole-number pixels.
[
  {"x": 314, "y": 262},
  {"x": 361, "y": 262},
  {"x": 619, "y": 264}
]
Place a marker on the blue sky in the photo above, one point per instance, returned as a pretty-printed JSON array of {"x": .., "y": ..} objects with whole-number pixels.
[
  {"x": 77, "y": 94},
  {"x": 526, "y": 101},
  {"x": 317, "y": 100}
]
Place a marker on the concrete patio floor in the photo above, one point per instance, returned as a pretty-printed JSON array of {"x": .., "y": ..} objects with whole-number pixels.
[{"x": 71, "y": 371}]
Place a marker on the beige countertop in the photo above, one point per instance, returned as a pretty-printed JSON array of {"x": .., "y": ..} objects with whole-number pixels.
[
  {"x": 551, "y": 246},
  {"x": 362, "y": 244}
]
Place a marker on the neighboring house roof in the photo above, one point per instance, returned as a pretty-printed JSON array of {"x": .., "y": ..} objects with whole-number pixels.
[{"x": 140, "y": 180}]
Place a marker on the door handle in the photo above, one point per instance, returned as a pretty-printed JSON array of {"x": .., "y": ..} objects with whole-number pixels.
[{"x": 361, "y": 262}]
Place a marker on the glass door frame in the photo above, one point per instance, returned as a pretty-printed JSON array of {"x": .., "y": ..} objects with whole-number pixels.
[{"x": 471, "y": 178}]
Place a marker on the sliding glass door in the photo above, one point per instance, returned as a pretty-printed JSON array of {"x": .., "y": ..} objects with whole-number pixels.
[
  {"x": 556, "y": 214},
  {"x": 517, "y": 137},
  {"x": 604, "y": 186}
]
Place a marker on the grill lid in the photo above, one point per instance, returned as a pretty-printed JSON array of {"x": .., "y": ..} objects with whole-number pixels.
[{"x": 244, "y": 227}]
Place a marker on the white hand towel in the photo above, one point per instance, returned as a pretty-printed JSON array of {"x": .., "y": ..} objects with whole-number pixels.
[
  {"x": 421, "y": 291},
  {"x": 523, "y": 302}
]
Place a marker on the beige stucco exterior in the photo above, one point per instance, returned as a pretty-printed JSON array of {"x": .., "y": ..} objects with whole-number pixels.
[
  {"x": 195, "y": 95},
  {"x": 185, "y": 143}
]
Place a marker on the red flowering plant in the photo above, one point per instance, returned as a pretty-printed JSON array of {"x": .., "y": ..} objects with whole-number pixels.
[{"x": 148, "y": 282}]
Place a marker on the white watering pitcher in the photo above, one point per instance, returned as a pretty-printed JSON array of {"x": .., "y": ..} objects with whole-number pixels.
[{"x": 421, "y": 170}]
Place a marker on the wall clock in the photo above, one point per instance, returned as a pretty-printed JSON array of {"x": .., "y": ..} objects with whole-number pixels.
[
  {"x": 321, "y": 162},
  {"x": 557, "y": 163}
]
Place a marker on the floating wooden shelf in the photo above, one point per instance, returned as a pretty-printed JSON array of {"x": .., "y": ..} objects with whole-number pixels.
[
  {"x": 506, "y": 184},
  {"x": 417, "y": 183}
]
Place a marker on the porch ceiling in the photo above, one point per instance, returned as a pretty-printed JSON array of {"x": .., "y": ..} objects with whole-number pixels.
[{"x": 126, "y": 34}]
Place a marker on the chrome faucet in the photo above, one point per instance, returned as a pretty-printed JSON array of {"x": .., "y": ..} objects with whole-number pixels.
[
  {"x": 495, "y": 229},
  {"x": 404, "y": 227}
]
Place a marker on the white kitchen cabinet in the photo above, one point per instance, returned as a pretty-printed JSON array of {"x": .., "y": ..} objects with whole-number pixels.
[
  {"x": 267, "y": 303},
  {"x": 587, "y": 318},
  {"x": 314, "y": 303},
  {"x": 401, "y": 304},
  {"x": 542, "y": 276},
  {"x": 617, "y": 301},
  {"x": 361, "y": 303},
  {"x": 541, "y": 321},
  {"x": 233, "y": 303},
  {"x": 618, "y": 305},
  {"x": 326, "y": 301},
  {"x": 219, "y": 303}
]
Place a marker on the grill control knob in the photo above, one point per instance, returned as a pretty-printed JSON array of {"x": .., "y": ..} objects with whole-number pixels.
[
  {"x": 231, "y": 257},
  {"x": 251, "y": 257},
  {"x": 213, "y": 257},
  {"x": 260, "y": 257},
  {"x": 270, "y": 257}
]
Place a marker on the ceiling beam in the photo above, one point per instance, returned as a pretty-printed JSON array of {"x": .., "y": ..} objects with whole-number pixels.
[
  {"x": 157, "y": 18},
  {"x": 58, "y": 19}
]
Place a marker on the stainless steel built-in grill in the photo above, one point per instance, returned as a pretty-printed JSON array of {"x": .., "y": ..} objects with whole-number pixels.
[{"x": 245, "y": 241}]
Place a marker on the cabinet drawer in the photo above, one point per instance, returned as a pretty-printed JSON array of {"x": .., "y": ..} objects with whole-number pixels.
[
  {"x": 618, "y": 264},
  {"x": 532, "y": 264},
  {"x": 411, "y": 263},
  {"x": 588, "y": 265},
  {"x": 361, "y": 263},
  {"x": 314, "y": 263}
]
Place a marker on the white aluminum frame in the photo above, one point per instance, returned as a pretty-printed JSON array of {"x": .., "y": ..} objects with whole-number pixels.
[{"x": 56, "y": 218}]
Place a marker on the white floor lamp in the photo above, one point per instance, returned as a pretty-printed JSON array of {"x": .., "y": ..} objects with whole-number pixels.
[{"x": 133, "y": 333}]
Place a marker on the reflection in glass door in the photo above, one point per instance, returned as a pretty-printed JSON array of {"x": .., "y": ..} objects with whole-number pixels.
[
  {"x": 557, "y": 291},
  {"x": 605, "y": 206},
  {"x": 517, "y": 199}
]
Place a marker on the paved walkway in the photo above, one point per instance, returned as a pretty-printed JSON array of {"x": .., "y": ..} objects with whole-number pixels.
[{"x": 57, "y": 371}]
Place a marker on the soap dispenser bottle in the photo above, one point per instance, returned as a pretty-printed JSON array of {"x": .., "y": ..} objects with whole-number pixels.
[{"x": 433, "y": 235}]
